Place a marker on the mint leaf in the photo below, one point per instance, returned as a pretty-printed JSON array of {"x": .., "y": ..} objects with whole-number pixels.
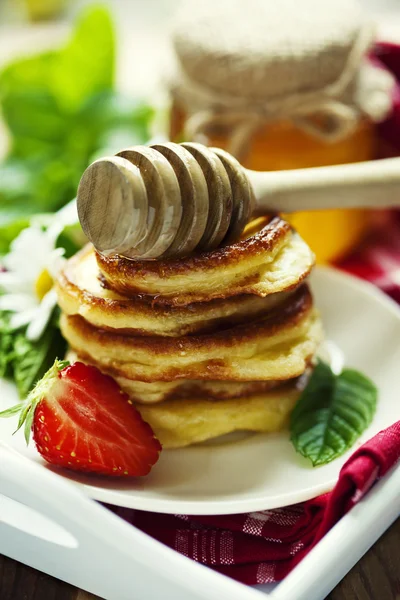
[
  {"x": 85, "y": 66},
  {"x": 34, "y": 115},
  {"x": 61, "y": 110},
  {"x": 109, "y": 115},
  {"x": 28, "y": 73},
  {"x": 59, "y": 81},
  {"x": 33, "y": 359},
  {"x": 331, "y": 413}
]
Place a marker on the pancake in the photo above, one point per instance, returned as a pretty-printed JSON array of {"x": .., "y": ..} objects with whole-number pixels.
[
  {"x": 276, "y": 347},
  {"x": 159, "y": 391},
  {"x": 81, "y": 293},
  {"x": 185, "y": 421},
  {"x": 204, "y": 345},
  {"x": 273, "y": 260}
]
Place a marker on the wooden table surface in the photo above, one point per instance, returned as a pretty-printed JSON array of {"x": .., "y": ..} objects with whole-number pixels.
[{"x": 375, "y": 577}]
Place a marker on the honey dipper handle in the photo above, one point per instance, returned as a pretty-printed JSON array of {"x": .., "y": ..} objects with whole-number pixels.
[{"x": 372, "y": 184}]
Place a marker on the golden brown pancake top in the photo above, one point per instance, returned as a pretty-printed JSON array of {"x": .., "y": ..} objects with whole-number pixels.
[
  {"x": 273, "y": 260},
  {"x": 81, "y": 293}
]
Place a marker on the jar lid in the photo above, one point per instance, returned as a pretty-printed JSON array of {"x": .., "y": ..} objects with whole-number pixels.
[
  {"x": 265, "y": 48},
  {"x": 273, "y": 59}
]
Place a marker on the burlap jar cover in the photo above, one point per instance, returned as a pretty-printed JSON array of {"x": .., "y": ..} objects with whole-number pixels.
[{"x": 243, "y": 63}]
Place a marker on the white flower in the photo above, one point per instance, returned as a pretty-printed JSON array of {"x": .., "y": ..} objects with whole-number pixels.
[{"x": 31, "y": 266}]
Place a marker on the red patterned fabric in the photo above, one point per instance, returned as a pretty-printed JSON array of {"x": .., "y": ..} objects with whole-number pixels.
[
  {"x": 378, "y": 260},
  {"x": 262, "y": 547}
]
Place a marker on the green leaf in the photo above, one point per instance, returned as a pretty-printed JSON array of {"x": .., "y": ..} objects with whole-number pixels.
[
  {"x": 28, "y": 422},
  {"x": 26, "y": 409},
  {"x": 55, "y": 184},
  {"x": 10, "y": 412},
  {"x": 59, "y": 81},
  {"x": 109, "y": 110},
  {"x": 61, "y": 111},
  {"x": 332, "y": 412},
  {"x": 10, "y": 227},
  {"x": 86, "y": 65},
  {"x": 40, "y": 390},
  {"x": 36, "y": 185},
  {"x": 6, "y": 346},
  {"x": 16, "y": 179},
  {"x": 28, "y": 73},
  {"x": 32, "y": 359},
  {"x": 35, "y": 114}
]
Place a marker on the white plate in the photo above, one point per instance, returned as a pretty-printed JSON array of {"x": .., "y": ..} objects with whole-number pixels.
[{"x": 262, "y": 471}]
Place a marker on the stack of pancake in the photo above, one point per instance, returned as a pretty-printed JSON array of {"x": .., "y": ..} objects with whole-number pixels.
[{"x": 204, "y": 345}]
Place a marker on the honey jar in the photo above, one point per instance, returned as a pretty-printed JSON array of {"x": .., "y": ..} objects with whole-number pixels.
[{"x": 282, "y": 85}]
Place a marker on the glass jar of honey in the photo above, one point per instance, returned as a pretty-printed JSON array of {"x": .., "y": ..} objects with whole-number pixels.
[{"x": 281, "y": 86}]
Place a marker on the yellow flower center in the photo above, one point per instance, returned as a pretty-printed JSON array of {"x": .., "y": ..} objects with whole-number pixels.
[{"x": 43, "y": 284}]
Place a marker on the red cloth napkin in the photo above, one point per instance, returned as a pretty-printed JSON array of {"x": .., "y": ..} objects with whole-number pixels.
[{"x": 262, "y": 547}]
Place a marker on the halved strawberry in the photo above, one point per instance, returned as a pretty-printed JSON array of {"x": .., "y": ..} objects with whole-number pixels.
[{"x": 82, "y": 420}]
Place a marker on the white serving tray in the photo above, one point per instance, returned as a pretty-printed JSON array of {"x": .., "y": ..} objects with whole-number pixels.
[
  {"x": 49, "y": 524},
  {"x": 46, "y": 522}
]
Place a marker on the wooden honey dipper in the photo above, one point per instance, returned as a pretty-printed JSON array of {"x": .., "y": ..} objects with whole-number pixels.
[{"x": 168, "y": 200}]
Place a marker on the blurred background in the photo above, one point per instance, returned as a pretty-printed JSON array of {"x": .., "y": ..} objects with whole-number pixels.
[
  {"x": 89, "y": 82},
  {"x": 142, "y": 26}
]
